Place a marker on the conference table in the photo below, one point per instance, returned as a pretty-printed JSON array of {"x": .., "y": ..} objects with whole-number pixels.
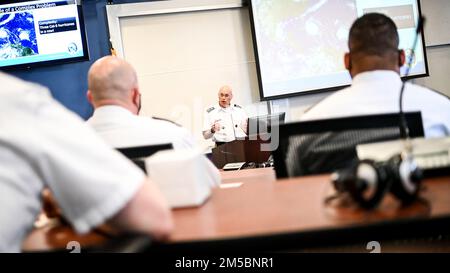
[{"x": 252, "y": 210}]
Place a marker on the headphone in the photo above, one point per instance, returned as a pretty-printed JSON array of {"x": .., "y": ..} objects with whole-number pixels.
[{"x": 367, "y": 181}]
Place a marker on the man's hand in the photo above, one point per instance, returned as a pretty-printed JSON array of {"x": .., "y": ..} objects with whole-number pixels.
[
  {"x": 215, "y": 127},
  {"x": 49, "y": 206},
  {"x": 51, "y": 212}
]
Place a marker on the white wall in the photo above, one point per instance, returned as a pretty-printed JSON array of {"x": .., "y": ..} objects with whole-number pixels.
[
  {"x": 439, "y": 66},
  {"x": 183, "y": 58},
  {"x": 437, "y": 37},
  {"x": 437, "y": 25}
]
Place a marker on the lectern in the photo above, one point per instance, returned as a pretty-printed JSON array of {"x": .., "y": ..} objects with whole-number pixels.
[{"x": 245, "y": 150}]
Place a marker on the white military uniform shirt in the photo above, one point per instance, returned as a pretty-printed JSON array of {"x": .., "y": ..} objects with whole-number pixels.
[
  {"x": 378, "y": 92},
  {"x": 232, "y": 120},
  {"x": 121, "y": 128},
  {"x": 43, "y": 144}
]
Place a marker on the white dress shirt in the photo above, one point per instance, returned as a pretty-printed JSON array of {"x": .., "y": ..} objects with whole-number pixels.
[
  {"x": 121, "y": 128},
  {"x": 378, "y": 92},
  {"x": 43, "y": 144},
  {"x": 232, "y": 120}
]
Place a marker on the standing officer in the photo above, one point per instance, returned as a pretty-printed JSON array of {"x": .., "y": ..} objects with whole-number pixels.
[{"x": 225, "y": 122}]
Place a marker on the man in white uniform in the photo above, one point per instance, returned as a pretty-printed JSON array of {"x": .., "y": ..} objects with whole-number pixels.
[
  {"x": 374, "y": 63},
  {"x": 42, "y": 145},
  {"x": 225, "y": 122},
  {"x": 114, "y": 94}
]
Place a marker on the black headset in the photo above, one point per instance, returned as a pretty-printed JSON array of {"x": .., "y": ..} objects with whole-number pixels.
[{"x": 367, "y": 181}]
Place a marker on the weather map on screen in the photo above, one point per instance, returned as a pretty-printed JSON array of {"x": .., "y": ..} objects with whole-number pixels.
[
  {"x": 17, "y": 35},
  {"x": 300, "y": 44},
  {"x": 34, "y": 32}
]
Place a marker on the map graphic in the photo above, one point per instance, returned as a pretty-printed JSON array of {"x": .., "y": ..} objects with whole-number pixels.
[
  {"x": 303, "y": 38},
  {"x": 17, "y": 35}
]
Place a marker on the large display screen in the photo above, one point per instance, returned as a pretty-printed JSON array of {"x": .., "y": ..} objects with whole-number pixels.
[
  {"x": 33, "y": 33},
  {"x": 300, "y": 45}
]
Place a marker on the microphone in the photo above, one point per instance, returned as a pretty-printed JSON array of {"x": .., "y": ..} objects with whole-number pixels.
[
  {"x": 234, "y": 126},
  {"x": 405, "y": 165},
  {"x": 404, "y": 130}
]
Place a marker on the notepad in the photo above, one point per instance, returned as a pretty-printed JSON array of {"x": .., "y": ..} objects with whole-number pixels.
[{"x": 231, "y": 185}]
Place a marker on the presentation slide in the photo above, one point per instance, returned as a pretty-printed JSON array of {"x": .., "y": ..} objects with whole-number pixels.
[
  {"x": 301, "y": 44},
  {"x": 37, "y": 31}
]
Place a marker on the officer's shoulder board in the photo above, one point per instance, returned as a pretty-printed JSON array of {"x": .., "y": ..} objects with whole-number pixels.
[
  {"x": 168, "y": 120},
  {"x": 210, "y": 109},
  {"x": 238, "y": 106}
]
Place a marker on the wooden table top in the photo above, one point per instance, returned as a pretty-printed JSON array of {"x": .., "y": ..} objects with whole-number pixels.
[
  {"x": 290, "y": 205},
  {"x": 257, "y": 204}
]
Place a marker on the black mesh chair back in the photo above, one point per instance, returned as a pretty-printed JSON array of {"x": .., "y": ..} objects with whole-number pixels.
[
  {"x": 138, "y": 154},
  {"x": 323, "y": 146}
]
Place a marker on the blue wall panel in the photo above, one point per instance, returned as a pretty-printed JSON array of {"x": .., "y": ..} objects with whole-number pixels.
[{"x": 68, "y": 82}]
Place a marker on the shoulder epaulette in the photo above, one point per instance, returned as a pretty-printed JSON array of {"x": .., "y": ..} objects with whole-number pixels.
[
  {"x": 210, "y": 109},
  {"x": 168, "y": 120},
  {"x": 238, "y": 106}
]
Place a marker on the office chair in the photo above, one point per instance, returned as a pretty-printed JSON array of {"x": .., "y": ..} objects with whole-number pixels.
[
  {"x": 322, "y": 146},
  {"x": 138, "y": 154}
]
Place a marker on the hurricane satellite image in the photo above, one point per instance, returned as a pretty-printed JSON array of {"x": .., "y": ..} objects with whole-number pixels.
[
  {"x": 17, "y": 35},
  {"x": 292, "y": 31}
]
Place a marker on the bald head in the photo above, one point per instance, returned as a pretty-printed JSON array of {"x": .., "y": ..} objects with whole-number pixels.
[
  {"x": 111, "y": 79},
  {"x": 225, "y": 96}
]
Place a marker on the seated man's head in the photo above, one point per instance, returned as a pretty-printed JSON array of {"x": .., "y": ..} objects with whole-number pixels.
[
  {"x": 373, "y": 43},
  {"x": 113, "y": 81},
  {"x": 225, "y": 96}
]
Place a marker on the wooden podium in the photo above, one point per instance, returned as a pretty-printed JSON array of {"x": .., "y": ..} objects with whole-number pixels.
[{"x": 245, "y": 150}]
